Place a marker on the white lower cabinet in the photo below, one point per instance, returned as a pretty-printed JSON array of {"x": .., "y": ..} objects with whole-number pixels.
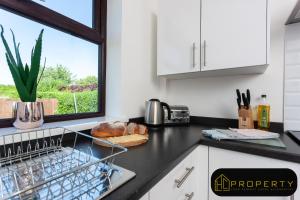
[
  {"x": 190, "y": 179},
  {"x": 187, "y": 181},
  {"x": 220, "y": 158}
]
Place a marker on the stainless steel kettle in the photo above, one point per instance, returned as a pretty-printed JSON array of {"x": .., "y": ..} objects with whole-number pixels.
[{"x": 154, "y": 113}]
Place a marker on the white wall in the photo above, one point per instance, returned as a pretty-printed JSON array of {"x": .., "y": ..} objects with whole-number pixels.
[
  {"x": 113, "y": 69},
  {"x": 215, "y": 96},
  {"x": 131, "y": 59},
  {"x": 131, "y": 74},
  {"x": 292, "y": 78}
]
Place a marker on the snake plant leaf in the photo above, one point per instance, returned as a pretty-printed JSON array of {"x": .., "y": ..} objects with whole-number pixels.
[
  {"x": 7, "y": 47},
  {"x": 19, "y": 60},
  {"x": 31, "y": 83},
  {"x": 22, "y": 91},
  {"x": 17, "y": 52},
  {"x": 41, "y": 75},
  {"x": 25, "y": 77},
  {"x": 33, "y": 92},
  {"x": 26, "y": 70}
]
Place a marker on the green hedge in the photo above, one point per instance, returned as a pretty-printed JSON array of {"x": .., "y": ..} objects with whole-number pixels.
[
  {"x": 86, "y": 101},
  {"x": 9, "y": 92}
]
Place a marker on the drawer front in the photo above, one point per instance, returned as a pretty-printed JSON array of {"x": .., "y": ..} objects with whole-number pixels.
[
  {"x": 188, "y": 196},
  {"x": 191, "y": 189},
  {"x": 183, "y": 176}
]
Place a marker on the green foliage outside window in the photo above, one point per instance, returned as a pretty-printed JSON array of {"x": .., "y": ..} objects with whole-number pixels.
[{"x": 55, "y": 78}]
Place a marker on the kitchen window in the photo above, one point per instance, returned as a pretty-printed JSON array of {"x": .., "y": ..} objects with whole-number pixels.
[{"x": 73, "y": 82}]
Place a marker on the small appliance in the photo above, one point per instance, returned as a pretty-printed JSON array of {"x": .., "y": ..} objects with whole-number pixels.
[
  {"x": 179, "y": 115},
  {"x": 154, "y": 112}
]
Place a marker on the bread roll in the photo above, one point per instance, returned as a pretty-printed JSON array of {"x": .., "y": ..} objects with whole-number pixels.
[
  {"x": 134, "y": 128},
  {"x": 113, "y": 129},
  {"x": 143, "y": 130}
]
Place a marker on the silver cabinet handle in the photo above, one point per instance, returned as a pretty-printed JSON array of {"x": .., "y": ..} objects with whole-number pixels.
[
  {"x": 194, "y": 55},
  {"x": 179, "y": 182},
  {"x": 204, "y": 53},
  {"x": 189, "y": 196}
]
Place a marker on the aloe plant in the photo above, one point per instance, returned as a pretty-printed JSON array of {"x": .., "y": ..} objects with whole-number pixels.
[{"x": 26, "y": 78}]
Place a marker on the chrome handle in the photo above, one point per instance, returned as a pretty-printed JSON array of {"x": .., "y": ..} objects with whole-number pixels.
[
  {"x": 194, "y": 55},
  {"x": 204, "y": 53},
  {"x": 179, "y": 182},
  {"x": 189, "y": 196}
]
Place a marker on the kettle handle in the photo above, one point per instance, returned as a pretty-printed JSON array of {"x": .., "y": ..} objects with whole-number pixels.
[{"x": 163, "y": 104}]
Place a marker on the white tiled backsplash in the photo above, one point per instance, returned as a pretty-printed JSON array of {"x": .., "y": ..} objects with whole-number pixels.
[{"x": 292, "y": 78}]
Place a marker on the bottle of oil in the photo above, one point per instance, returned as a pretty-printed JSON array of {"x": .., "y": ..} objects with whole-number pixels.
[{"x": 263, "y": 114}]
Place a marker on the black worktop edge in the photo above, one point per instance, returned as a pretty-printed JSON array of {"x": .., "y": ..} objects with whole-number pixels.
[
  {"x": 233, "y": 123},
  {"x": 276, "y": 127},
  {"x": 269, "y": 153}
]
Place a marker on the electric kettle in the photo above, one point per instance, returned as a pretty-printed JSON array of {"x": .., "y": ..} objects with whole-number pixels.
[{"x": 154, "y": 112}]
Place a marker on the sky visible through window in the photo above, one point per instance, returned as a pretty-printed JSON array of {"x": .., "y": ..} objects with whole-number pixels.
[
  {"x": 79, "y": 10},
  {"x": 70, "y": 81},
  {"x": 59, "y": 48}
]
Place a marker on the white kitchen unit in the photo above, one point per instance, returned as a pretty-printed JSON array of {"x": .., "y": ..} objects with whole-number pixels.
[
  {"x": 234, "y": 37},
  {"x": 234, "y": 33},
  {"x": 220, "y": 158},
  {"x": 178, "y": 43},
  {"x": 188, "y": 180}
]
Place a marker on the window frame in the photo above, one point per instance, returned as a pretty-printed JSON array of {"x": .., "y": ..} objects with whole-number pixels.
[{"x": 97, "y": 35}]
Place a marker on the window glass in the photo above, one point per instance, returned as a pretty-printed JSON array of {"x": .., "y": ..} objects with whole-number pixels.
[
  {"x": 78, "y": 10},
  {"x": 70, "y": 81}
]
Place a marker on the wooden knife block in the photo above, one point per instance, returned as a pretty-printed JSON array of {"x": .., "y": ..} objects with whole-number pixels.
[{"x": 246, "y": 118}]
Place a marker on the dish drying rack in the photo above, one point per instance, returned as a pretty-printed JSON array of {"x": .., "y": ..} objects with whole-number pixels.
[{"x": 53, "y": 164}]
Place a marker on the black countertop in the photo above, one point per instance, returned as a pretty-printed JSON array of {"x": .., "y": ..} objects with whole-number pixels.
[{"x": 168, "y": 146}]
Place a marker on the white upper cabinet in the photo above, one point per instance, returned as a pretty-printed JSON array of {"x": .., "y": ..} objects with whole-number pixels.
[
  {"x": 207, "y": 37},
  {"x": 234, "y": 33},
  {"x": 178, "y": 36}
]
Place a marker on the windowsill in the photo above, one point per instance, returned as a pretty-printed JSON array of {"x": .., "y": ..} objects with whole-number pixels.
[{"x": 75, "y": 125}]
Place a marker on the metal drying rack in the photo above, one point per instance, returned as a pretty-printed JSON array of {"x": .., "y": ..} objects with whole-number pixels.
[{"x": 55, "y": 163}]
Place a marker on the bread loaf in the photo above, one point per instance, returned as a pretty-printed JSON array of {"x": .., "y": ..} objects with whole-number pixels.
[
  {"x": 120, "y": 133},
  {"x": 113, "y": 129}
]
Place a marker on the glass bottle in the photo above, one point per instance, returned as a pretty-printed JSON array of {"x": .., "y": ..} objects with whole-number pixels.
[{"x": 263, "y": 114}]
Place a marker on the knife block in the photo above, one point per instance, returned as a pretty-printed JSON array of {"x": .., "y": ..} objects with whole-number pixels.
[{"x": 246, "y": 118}]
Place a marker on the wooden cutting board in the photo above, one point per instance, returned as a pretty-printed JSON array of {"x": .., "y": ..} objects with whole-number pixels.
[{"x": 125, "y": 141}]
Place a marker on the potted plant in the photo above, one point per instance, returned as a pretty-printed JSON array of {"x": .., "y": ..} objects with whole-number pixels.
[{"x": 28, "y": 113}]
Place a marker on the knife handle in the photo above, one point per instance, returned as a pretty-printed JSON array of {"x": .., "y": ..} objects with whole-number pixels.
[
  {"x": 245, "y": 100},
  {"x": 248, "y": 96},
  {"x": 238, "y": 93},
  {"x": 239, "y": 102}
]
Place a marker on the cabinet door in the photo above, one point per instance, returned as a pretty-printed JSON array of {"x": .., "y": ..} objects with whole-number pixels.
[
  {"x": 220, "y": 158},
  {"x": 178, "y": 42},
  {"x": 234, "y": 33},
  {"x": 193, "y": 182}
]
